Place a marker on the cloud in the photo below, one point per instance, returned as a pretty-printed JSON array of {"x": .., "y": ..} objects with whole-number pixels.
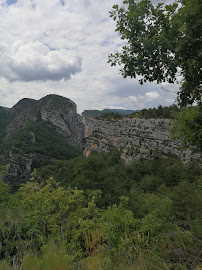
[
  {"x": 60, "y": 39},
  {"x": 34, "y": 61},
  {"x": 152, "y": 95}
]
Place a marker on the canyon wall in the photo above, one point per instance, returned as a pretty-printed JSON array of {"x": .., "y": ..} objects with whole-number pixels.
[{"x": 135, "y": 138}]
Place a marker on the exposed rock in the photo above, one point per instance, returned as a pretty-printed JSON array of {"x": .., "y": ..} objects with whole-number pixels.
[
  {"x": 59, "y": 114},
  {"x": 135, "y": 138},
  {"x": 19, "y": 115}
]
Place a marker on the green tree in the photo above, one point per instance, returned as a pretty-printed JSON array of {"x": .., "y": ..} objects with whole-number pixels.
[
  {"x": 52, "y": 205},
  {"x": 187, "y": 126},
  {"x": 4, "y": 188},
  {"x": 160, "y": 41}
]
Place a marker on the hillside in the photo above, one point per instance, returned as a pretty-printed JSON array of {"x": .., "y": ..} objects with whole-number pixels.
[
  {"x": 98, "y": 213},
  {"x": 97, "y": 113},
  {"x": 132, "y": 199},
  {"x": 36, "y": 133},
  {"x": 3, "y": 121}
]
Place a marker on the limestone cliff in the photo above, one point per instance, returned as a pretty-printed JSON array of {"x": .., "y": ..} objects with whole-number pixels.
[
  {"x": 134, "y": 138},
  {"x": 39, "y": 132},
  {"x": 57, "y": 111}
]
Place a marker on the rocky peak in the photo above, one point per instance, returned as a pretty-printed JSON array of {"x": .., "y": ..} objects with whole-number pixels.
[
  {"x": 25, "y": 104},
  {"x": 56, "y": 102},
  {"x": 19, "y": 115},
  {"x": 39, "y": 132},
  {"x": 58, "y": 112}
]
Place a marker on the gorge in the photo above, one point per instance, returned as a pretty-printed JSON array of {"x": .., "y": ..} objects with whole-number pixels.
[{"x": 41, "y": 132}]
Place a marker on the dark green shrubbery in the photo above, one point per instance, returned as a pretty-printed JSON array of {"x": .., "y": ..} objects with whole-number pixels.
[
  {"x": 39, "y": 138},
  {"x": 3, "y": 122},
  {"x": 101, "y": 214},
  {"x": 156, "y": 113}
]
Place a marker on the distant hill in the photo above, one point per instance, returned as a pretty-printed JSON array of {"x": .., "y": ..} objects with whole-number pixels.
[
  {"x": 4, "y": 108},
  {"x": 96, "y": 113}
]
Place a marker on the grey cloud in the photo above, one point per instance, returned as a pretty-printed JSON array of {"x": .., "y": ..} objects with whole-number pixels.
[
  {"x": 36, "y": 62},
  {"x": 31, "y": 69}
]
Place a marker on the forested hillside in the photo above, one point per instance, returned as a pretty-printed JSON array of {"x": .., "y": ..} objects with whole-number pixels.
[
  {"x": 155, "y": 113},
  {"x": 37, "y": 133},
  {"x": 3, "y": 121},
  {"x": 132, "y": 205},
  {"x": 97, "y": 213},
  {"x": 98, "y": 113}
]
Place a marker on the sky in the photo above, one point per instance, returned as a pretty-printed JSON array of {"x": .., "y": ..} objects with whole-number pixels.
[{"x": 62, "y": 47}]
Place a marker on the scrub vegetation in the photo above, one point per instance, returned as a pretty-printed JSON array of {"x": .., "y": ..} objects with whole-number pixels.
[{"x": 97, "y": 213}]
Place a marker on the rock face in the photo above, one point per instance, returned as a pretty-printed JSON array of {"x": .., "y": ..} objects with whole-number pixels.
[
  {"x": 38, "y": 133},
  {"x": 52, "y": 115},
  {"x": 134, "y": 138},
  {"x": 19, "y": 115},
  {"x": 57, "y": 111}
]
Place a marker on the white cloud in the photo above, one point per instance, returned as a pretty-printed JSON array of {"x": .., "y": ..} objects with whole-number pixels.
[
  {"x": 55, "y": 35},
  {"x": 34, "y": 61},
  {"x": 152, "y": 95}
]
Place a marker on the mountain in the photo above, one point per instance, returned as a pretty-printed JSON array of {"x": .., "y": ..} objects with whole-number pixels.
[
  {"x": 96, "y": 113},
  {"x": 38, "y": 132},
  {"x": 3, "y": 121}
]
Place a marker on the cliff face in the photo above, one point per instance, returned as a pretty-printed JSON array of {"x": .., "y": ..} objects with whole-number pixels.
[
  {"x": 19, "y": 115},
  {"x": 36, "y": 133},
  {"x": 39, "y": 133},
  {"x": 58, "y": 112},
  {"x": 134, "y": 138}
]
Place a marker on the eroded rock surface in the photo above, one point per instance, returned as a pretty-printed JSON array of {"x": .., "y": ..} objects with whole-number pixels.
[
  {"x": 52, "y": 114},
  {"x": 134, "y": 138}
]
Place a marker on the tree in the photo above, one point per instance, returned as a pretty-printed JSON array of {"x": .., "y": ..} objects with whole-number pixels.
[
  {"x": 4, "y": 188},
  {"x": 161, "y": 41},
  {"x": 187, "y": 126}
]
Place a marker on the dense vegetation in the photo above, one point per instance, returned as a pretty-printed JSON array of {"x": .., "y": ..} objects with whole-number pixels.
[
  {"x": 161, "y": 40},
  {"x": 100, "y": 214},
  {"x": 3, "y": 121},
  {"x": 187, "y": 126},
  {"x": 166, "y": 112},
  {"x": 164, "y": 41},
  {"x": 97, "y": 113},
  {"x": 39, "y": 138}
]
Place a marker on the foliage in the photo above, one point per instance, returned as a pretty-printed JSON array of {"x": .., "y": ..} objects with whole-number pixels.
[
  {"x": 156, "y": 113},
  {"x": 146, "y": 215},
  {"x": 98, "y": 172},
  {"x": 3, "y": 121},
  {"x": 4, "y": 188},
  {"x": 39, "y": 138},
  {"x": 160, "y": 40},
  {"x": 187, "y": 126},
  {"x": 97, "y": 113},
  {"x": 107, "y": 173}
]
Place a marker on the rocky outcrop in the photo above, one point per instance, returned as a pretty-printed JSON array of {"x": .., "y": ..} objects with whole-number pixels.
[
  {"x": 19, "y": 115},
  {"x": 59, "y": 112},
  {"x": 134, "y": 138},
  {"x": 54, "y": 115}
]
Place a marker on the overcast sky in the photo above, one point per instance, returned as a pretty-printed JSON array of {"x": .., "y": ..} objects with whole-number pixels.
[{"x": 62, "y": 47}]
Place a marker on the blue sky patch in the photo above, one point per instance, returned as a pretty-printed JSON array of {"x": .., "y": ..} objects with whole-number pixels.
[
  {"x": 11, "y": 2},
  {"x": 62, "y": 2}
]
